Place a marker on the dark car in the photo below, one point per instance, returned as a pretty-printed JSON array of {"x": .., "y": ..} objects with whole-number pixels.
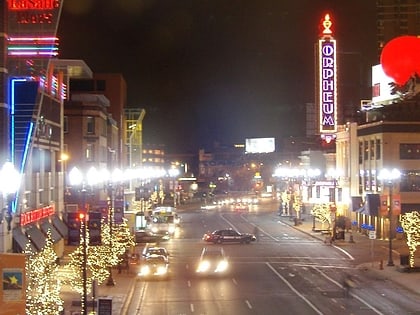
[
  {"x": 229, "y": 235},
  {"x": 144, "y": 236}
]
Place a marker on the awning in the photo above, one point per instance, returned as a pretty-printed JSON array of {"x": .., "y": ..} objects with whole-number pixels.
[
  {"x": 22, "y": 241},
  {"x": 363, "y": 210},
  {"x": 47, "y": 226},
  {"x": 36, "y": 236},
  {"x": 60, "y": 226}
]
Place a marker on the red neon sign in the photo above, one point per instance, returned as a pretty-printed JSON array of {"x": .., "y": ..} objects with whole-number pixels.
[
  {"x": 33, "y": 4},
  {"x": 36, "y": 215}
]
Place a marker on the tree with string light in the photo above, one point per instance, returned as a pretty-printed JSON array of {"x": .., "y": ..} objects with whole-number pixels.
[
  {"x": 322, "y": 213},
  {"x": 100, "y": 257},
  {"x": 410, "y": 222},
  {"x": 43, "y": 286}
]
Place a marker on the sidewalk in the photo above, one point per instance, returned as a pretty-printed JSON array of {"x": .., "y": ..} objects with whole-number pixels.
[
  {"x": 360, "y": 248},
  {"x": 119, "y": 294}
]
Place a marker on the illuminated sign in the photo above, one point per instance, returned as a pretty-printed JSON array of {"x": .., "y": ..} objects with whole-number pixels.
[
  {"x": 36, "y": 215},
  {"x": 33, "y": 12},
  {"x": 327, "y": 80},
  {"x": 33, "y": 4}
]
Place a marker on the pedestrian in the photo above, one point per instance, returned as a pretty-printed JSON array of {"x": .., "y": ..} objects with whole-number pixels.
[
  {"x": 257, "y": 233},
  {"x": 348, "y": 283}
]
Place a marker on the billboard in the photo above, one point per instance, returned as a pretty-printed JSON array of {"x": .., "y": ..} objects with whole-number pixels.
[
  {"x": 260, "y": 145},
  {"x": 381, "y": 88}
]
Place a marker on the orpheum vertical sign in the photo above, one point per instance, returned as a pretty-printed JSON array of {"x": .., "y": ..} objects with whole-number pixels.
[{"x": 327, "y": 81}]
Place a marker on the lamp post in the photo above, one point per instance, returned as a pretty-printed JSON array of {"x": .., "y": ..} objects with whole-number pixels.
[
  {"x": 388, "y": 177},
  {"x": 111, "y": 179},
  {"x": 173, "y": 173},
  {"x": 76, "y": 179}
]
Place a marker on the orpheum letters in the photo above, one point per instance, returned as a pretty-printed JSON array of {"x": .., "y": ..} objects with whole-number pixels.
[{"x": 327, "y": 85}]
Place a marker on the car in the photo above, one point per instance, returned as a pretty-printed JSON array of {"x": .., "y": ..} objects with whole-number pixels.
[
  {"x": 213, "y": 261},
  {"x": 143, "y": 236},
  {"x": 153, "y": 250},
  {"x": 228, "y": 235},
  {"x": 154, "y": 266},
  {"x": 241, "y": 207}
]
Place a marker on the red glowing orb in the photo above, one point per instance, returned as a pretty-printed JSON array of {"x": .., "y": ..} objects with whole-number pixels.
[{"x": 400, "y": 58}]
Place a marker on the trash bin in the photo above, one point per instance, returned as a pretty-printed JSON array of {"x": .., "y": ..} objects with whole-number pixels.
[
  {"x": 404, "y": 260},
  {"x": 339, "y": 235}
]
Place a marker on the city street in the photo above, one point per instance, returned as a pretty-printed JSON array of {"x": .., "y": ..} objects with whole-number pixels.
[{"x": 286, "y": 271}]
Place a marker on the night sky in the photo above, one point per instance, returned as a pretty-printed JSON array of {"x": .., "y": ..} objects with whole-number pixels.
[{"x": 219, "y": 70}]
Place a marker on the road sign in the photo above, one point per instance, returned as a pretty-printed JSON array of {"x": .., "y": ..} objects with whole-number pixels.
[{"x": 372, "y": 235}]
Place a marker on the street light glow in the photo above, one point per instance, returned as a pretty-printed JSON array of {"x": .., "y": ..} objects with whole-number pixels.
[
  {"x": 9, "y": 179},
  {"x": 389, "y": 175}
]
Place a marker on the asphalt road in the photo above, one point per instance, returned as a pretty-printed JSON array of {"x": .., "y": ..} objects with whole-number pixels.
[{"x": 285, "y": 272}]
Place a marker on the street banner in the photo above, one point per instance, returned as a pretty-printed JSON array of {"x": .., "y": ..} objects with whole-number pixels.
[
  {"x": 13, "y": 289},
  {"x": 384, "y": 206},
  {"x": 396, "y": 204}
]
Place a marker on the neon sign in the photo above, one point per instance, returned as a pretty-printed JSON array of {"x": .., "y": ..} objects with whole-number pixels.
[
  {"x": 327, "y": 79},
  {"x": 33, "y": 4},
  {"x": 34, "y": 11}
]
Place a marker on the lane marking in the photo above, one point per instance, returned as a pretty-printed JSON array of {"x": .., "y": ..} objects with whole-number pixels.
[
  {"x": 294, "y": 290},
  {"x": 248, "y": 304},
  {"x": 351, "y": 293}
]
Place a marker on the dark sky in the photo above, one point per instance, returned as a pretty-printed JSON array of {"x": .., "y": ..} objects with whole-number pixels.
[{"x": 218, "y": 70}]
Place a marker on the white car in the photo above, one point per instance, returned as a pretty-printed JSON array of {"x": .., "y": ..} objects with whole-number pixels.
[
  {"x": 212, "y": 261},
  {"x": 152, "y": 250},
  {"x": 154, "y": 266}
]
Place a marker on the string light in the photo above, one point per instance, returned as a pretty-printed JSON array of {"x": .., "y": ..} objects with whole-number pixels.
[
  {"x": 43, "y": 286},
  {"x": 322, "y": 212},
  {"x": 410, "y": 222},
  {"x": 100, "y": 257}
]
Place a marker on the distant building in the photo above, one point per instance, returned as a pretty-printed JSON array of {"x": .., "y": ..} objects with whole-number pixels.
[{"x": 395, "y": 18}]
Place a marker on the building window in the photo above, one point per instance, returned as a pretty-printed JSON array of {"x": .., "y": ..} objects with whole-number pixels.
[
  {"x": 378, "y": 149},
  {"x": 409, "y": 151},
  {"x": 90, "y": 124},
  {"x": 100, "y": 85},
  {"x": 366, "y": 151},
  {"x": 372, "y": 149},
  {"x": 360, "y": 152},
  {"x": 410, "y": 181},
  {"x": 90, "y": 152},
  {"x": 66, "y": 124}
]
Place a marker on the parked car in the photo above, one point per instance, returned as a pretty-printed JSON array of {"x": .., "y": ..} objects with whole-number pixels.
[
  {"x": 154, "y": 266},
  {"x": 213, "y": 261},
  {"x": 228, "y": 235}
]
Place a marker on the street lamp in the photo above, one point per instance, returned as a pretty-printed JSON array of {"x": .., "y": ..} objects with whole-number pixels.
[
  {"x": 174, "y": 173},
  {"x": 388, "y": 177},
  {"x": 9, "y": 185},
  {"x": 76, "y": 179},
  {"x": 111, "y": 178}
]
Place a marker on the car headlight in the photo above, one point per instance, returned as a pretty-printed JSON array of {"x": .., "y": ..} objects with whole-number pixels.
[
  {"x": 171, "y": 229},
  {"x": 203, "y": 266},
  {"x": 222, "y": 266},
  {"x": 144, "y": 271},
  {"x": 155, "y": 229},
  {"x": 161, "y": 270}
]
